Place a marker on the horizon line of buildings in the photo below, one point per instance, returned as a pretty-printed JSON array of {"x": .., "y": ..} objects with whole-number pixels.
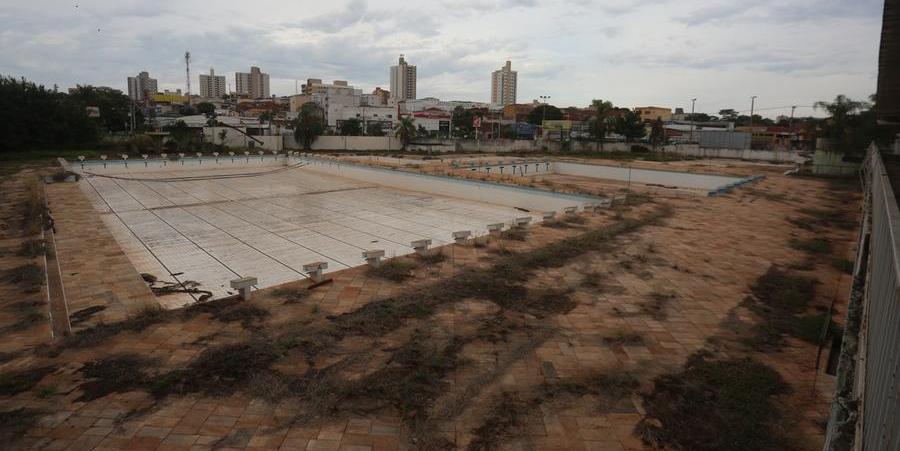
[{"x": 255, "y": 84}]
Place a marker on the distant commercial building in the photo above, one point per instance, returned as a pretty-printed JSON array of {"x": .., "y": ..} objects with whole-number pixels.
[
  {"x": 141, "y": 87},
  {"x": 652, "y": 113},
  {"x": 517, "y": 112},
  {"x": 403, "y": 81},
  {"x": 378, "y": 97},
  {"x": 503, "y": 85},
  {"x": 254, "y": 84},
  {"x": 212, "y": 86}
]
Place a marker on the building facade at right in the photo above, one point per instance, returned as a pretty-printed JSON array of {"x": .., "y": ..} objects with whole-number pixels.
[
  {"x": 403, "y": 81},
  {"x": 503, "y": 85},
  {"x": 141, "y": 87}
]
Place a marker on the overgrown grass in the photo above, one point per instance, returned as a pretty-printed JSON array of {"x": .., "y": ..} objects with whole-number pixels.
[
  {"x": 16, "y": 382},
  {"x": 32, "y": 248},
  {"x": 104, "y": 331},
  {"x": 28, "y": 277},
  {"x": 15, "y": 423},
  {"x": 291, "y": 295},
  {"x": 715, "y": 405},
  {"x": 778, "y": 298},
  {"x": 843, "y": 265},
  {"x": 395, "y": 270},
  {"x": 34, "y": 207},
  {"x": 838, "y": 218},
  {"x": 115, "y": 374},
  {"x": 515, "y": 233},
  {"x": 813, "y": 246},
  {"x": 656, "y": 304},
  {"x": 622, "y": 337},
  {"x": 433, "y": 258}
]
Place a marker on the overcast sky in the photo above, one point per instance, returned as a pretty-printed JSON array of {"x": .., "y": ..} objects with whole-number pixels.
[{"x": 788, "y": 52}]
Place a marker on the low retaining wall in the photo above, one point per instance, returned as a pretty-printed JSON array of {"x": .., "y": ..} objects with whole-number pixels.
[{"x": 361, "y": 143}]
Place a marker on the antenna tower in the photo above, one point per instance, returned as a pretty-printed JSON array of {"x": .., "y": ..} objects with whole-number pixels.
[{"x": 187, "y": 70}]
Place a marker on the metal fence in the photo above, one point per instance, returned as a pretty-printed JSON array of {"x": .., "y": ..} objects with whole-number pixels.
[
  {"x": 880, "y": 411},
  {"x": 866, "y": 409}
]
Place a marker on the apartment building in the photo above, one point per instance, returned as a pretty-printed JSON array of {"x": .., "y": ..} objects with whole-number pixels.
[
  {"x": 403, "y": 81},
  {"x": 141, "y": 87},
  {"x": 503, "y": 85},
  {"x": 212, "y": 86},
  {"x": 254, "y": 84}
]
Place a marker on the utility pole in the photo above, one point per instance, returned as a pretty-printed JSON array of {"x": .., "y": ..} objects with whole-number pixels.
[
  {"x": 544, "y": 100},
  {"x": 752, "y": 104},
  {"x": 791, "y": 128},
  {"x": 693, "y": 119}
]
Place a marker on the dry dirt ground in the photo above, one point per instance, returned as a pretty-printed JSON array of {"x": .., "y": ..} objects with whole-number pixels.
[{"x": 555, "y": 337}]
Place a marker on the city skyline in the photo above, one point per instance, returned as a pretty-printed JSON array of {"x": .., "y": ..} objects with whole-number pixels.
[{"x": 661, "y": 54}]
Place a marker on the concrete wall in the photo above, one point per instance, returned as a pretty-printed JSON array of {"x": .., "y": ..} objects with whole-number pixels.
[
  {"x": 512, "y": 196},
  {"x": 234, "y": 138},
  {"x": 755, "y": 155},
  {"x": 358, "y": 143},
  {"x": 645, "y": 176},
  {"x": 833, "y": 164}
]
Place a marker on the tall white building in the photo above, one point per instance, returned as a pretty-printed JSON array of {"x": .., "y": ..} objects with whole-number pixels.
[
  {"x": 503, "y": 85},
  {"x": 254, "y": 83},
  {"x": 141, "y": 87},
  {"x": 212, "y": 86},
  {"x": 403, "y": 81}
]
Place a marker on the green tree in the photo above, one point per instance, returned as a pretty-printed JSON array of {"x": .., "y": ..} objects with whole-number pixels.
[
  {"x": 375, "y": 129},
  {"x": 309, "y": 125},
  {"x": 205, "y": 108},
  {"x": 630, "y": 126},
  {"x": 405, "y": 130},
  {"x": 508, "y": 132},
  {"x": 182, "y": 135},
  {"x": 599, "y": 124},
  {"x": 462, "y": 120},
  {"x": 351, "y": 127},
  {"x": 542, "y": 113},
  {"x": 657, "y": 133},
  {"x": 421, "y": 132},
  {"x": 114, "y": 106},
  {"x": 222, "y": 135},
  {"x": 728, "y": 114},
  {"x": 33, "y": 117}
]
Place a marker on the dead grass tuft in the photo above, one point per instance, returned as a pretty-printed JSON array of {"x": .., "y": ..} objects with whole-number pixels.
[
  {"x": 16, "y": 382},
  {"x": 656, "y": 303},
  {"x": 623, "y": 337},
  {"x": 395, "y": 270},
  {"x": 714, "y": 405},
  {"x": 15, "y": 423},
  {"x": 116, "y": 374}
]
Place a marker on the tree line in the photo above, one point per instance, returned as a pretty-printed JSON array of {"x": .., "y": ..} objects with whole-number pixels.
[{"x": 33, "y": 117}]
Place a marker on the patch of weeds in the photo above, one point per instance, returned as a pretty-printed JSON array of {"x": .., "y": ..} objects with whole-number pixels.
[
  {"x": 503, "y": 421},
  {"x": 843, "y": 265},
  {"x": 656, "y": 303},
  {"x": 32, "y": 248},
  {"x": 33, "y": 208},
  {"x": 410, "y": 381},
  {"x": 777, "y": 298},
  {"x": 247, "y": 314},
  {"x": 829, "y": 218},
  {"x": 622, "y": 337},
  {"x": 15, "y": 423},
  {"x": 16, "y": 382},
  {"x": 28, "y": 314},
  {"x": 85, "y": 313},
  {"x": 116, "y": 374},
  {"x": 715, "y": 405},
  {"x": 515, "y": 233},
  {"x": 540, "y": 302},
  {"x": 810, "y": 328},
  {"x": 815, "y": 246},
  {"x": 291, "y": 295},
  {"x": 496, "y": 329},
  {"x": 28, "y": 277},
  {"x": 767, "y": 195},
  {"x": 575, "y": 219},
  {"x": 433, "y": 258},
  {"x": 556, "y": 224},
  {"x": 104, "y": 331},
  {"x": 395, "y": 270},
  {"x": 595, "y": 280},
  {"x": 46, "y": 392},
  {"x": 220, "y": 370}
]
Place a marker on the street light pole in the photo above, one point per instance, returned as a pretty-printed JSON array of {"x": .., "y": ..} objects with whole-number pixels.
[
  {"x": 544, "y": 100},
  {"x": 693, "y": 102}
]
